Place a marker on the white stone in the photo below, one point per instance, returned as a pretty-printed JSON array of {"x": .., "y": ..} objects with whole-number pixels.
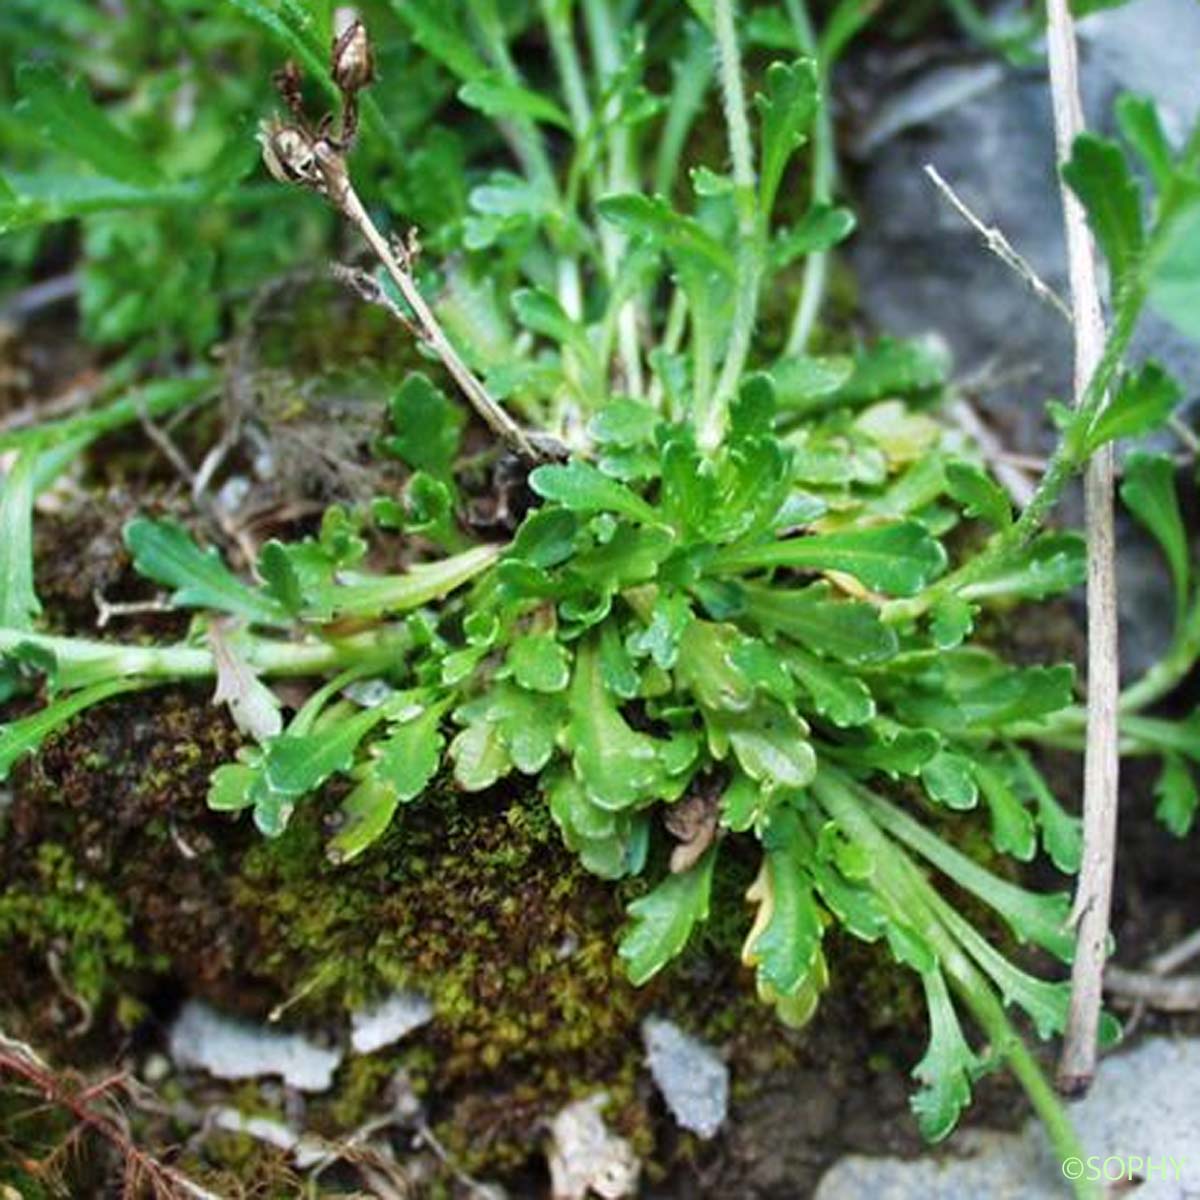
[
  {"x": 233, "y": 1049},
  {"x": 387, "y": 1022},
  {"x": 586, "y": 1157}
]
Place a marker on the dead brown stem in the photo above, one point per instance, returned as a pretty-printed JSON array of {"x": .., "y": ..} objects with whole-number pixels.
[{"x": 94, "y": 1111}]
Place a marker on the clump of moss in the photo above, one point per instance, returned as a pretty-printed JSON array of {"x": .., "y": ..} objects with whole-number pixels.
[
  {"x": 64, "y": 915},
  {"x": 122, "y": 790},
  {"x": 475, "y": 902}
]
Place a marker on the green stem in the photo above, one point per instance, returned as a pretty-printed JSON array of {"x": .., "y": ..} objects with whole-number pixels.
[
  {"x": 1073, "y": 449},
  {"x": 824, "y": 178},
  {"x": 692, "y": 77},
  {"x": 711, "y": 419},
  {"x": 907, "y": 891},
  {"x": 528, "y": 143},
  {"x": 677, "y": 314},
  {"x": 566, "y": 62},
  {"x": 1170, "y": 670},
  {"x": 987, "y": 1010},
  {"x": 622, "y": 177},
  {"x": 1070, "y": 454},
  {"x": 1014, "y": 42},
  {"x": 1066, "y": 726},
  {"x": 570, "y": 73},
  {"x": 153, "y": 400},
  {"x": 86, "y": 658}
]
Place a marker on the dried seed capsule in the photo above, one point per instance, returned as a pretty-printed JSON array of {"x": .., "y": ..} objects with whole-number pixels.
[
  {"x": 289, "y": 154},
  {"x": 353, "y": 62},
  {"x": 288, "y": 82}
]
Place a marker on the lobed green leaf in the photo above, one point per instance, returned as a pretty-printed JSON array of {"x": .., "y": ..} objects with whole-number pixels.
[
  {"x": 898, "y": 558},
  {"x": 1148, "y": 491},
  {"x": 663, "y": 920},
  {"x": 786, "y": 109},
  {"x": 1100, "y": 176},
  {"x": 582, "y": 488},
  {"x": 164, "y": 552},
  {"x": 1142, "y": 403}
]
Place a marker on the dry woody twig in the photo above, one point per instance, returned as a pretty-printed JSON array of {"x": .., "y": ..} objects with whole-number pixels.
[
  {"x": 1093, "y": 897},
  {"x": 316, "y": 158},
  {"x": 1000, "y": 246}
]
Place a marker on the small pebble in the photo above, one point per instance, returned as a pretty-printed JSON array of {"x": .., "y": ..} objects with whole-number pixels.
[{"x": 691, "y": 1077}]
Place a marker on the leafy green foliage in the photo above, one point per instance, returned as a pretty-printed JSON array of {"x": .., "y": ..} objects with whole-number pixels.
[
  {"x": 1175, "y": 284},
  {"x": 1100, "y": 176},
  {"x": 898, "y": 559},
  {"x": 663, "y": 919},
  {"x": 25, "y": 735},
  {"x": 1141, "y": 404},
  {"x": 784, "y": 944},
  {"x": 18, "y": 601},
  {"x": 1177, "y": 795},
  {"x": 68, "y": 117},
  {"x": 163, "y": 551},
  {"x": 760, "y": 636},
  {"x": 1148, "y": 490},
  {"x": 948, "y": 1067},
  {"x": 786, "y": 109},
  {"x": 979, "y": 494},
  {"x": 582, "y": 488},
  {"x": 428, "y": 428}
]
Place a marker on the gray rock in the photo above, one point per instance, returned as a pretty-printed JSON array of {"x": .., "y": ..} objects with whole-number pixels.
[
  {"x": 691, "y": 1077},
  {"x": 1150, "y": 47},
  {"x": 921, "y": 269},
  {"x": 389, "y": 1021},
  {"x": 233, "y": 1049},
  {"x": 1142, "y": 1105}
]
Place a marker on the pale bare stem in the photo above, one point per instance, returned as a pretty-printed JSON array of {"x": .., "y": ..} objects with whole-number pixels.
[
  {"x": 94, "y": 1110},
  {"x": 106, "y": 610},
  {"x": 1010, "y": 474},
  {"x": 1000, "y": 246},
  {"x": 1175, "y": 956},
  {"x": 367, "y": 288},
  {"x": 475, "y": 1189},
  {"x": 315, "y": 157},
  {"x": 342, "y": 194},
  {"x": 1191, "y": 442},
  {"x": 166, "y": 447},
  {"x": 1141, "y": 989},
  {"x": 1093, "y": 897},
  {"x": 1179, "y": 993}
]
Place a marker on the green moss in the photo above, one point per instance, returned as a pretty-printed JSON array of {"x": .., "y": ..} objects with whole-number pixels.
[
  {"x": 361, "y": 1084},
  {"x": 61, "y": 913},
  {"x": 473, "y": 901}
]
